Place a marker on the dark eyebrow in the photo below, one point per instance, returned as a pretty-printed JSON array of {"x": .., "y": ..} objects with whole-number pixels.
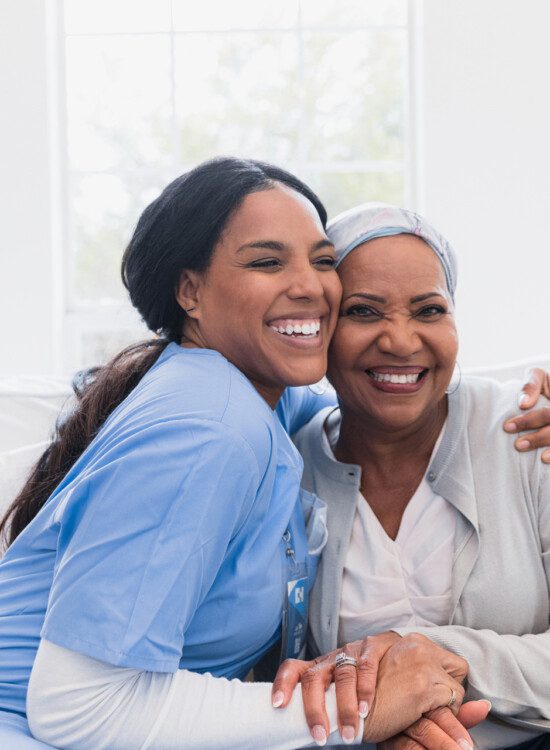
[
  {"x": 280, "y": 246},
  {"x": 371, "y": 297},
  {"x": 382, "y": 300},
  {"x": 422, "y": 297}
]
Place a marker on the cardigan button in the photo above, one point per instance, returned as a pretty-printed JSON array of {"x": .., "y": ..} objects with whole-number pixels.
[{"x": 432, "y": 476}]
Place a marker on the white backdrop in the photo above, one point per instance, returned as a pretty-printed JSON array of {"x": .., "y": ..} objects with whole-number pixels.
[
  {"x": 484, "y": 166},
  {"x": 483, "y": 161}
]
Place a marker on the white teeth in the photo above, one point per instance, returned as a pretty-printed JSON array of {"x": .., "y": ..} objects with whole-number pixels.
[
  {"x": 303, "y": 329},
  {"x": 391, "y": 378}
]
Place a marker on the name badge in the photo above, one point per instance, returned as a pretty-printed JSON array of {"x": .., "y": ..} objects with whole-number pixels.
[{"x": 295, "y": 606}]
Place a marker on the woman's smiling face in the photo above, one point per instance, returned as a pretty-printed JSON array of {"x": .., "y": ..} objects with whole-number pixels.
[
  {"x": 395, "y": 345},
  {"x": 269, "y": 299}
]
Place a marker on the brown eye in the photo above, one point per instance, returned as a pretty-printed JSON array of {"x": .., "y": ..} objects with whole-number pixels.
[
  {"x": 431, "y": 311},
  {"x": 362, "y": 311}
]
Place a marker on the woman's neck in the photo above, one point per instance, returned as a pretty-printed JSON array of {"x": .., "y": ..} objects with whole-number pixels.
[{"x": 366, "y": 442}]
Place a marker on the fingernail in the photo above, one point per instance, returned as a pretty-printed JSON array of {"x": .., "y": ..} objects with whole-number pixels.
[
  {"x": 319, "y": 735},
  {"x": 510, "y": 426},
  {"x": 465, "y": 745},
  {"x": 546, "y": 457},
  {"x": 364, "y": 708},
  {"x": 277, "y": 699},
  {"x": 488, "y": 703},
  {"x": 522, "y": 399},
  {"x": 348, "y": 735},
  {"x": 522, "y": 444}
]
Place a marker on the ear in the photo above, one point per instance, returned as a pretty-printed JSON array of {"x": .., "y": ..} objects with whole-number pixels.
[{"x": 188, "y": 292}]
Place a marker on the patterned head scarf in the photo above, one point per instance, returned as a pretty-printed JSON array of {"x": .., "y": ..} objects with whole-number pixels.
[{"x": 370, "y": 220}]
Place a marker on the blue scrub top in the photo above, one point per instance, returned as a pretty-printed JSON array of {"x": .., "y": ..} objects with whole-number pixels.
[{"x": 162, "y": 548}]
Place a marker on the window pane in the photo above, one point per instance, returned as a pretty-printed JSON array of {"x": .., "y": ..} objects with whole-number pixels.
[
  {"x": 236, "y": 14},
  {"x": 108, "y": 16},
  {"x": 353, "y": 13},
  {"x": 355, "y": 95},
  {"x": 242, "y": 98},
  {"x": 340, "y": 191},
  {"x": 105, "y": 209},
  {"x": 118, "y": 102}
]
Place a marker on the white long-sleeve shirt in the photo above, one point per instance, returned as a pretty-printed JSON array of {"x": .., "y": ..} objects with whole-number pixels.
[{"x": 75, "y": 702}]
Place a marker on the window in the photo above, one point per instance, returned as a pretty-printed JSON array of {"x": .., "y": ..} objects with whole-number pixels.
[{"x": 154, "y": 87}]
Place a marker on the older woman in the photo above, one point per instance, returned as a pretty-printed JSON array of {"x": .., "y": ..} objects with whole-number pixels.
[{"x": 435, "y": 527}]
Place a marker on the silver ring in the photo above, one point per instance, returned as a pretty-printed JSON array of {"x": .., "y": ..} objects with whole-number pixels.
[
  {"x": 342, "y": 659},
  {"x": 452, "y": 699}
]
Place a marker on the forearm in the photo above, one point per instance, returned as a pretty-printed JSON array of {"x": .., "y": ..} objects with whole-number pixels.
[
  {"x": 511, "y": 671},
  {"x": 78, "y": 702}
]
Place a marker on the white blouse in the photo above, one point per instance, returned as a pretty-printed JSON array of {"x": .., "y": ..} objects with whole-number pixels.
[{"x": 395, "y": 583}]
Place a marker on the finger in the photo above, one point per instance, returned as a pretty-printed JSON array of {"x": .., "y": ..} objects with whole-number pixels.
[
  {"x": 430, "y": 736},
  {"x": 531, "y": 421},
  {"x": 287, "y": 677},
  {"x": 532, "y": 387},
  {"x": 400, "y": 742},
  {"x": 473, "y": 712},
  {"x": 314, "y": 684},
  {"x": 532, "y": 440},
  {"x": 345, "y": 679},
  {"x": 449, "y": 693},
  {"x": 452, "y": 726},
  {"x": 373, "y": 649}
]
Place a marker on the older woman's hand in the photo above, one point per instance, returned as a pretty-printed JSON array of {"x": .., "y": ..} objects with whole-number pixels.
[
  {"x": 440, "y": 730},
  {"x": 537, "y": 383},
  {"x": 415, "y": 677}
]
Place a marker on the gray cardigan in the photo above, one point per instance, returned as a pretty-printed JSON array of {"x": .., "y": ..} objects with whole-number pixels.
[{"x": 501, "y": 564}]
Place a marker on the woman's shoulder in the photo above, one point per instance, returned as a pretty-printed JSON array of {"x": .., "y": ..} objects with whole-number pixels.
[
  {"x": 194, "y": 386},
  {"x": 485, "y": 397},
  {"x": 481, "y": 406}
]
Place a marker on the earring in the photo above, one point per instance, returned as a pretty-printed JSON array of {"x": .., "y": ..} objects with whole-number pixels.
[
  {"x": 455, "y": 389},
  {"x": 320, "y": 387}
]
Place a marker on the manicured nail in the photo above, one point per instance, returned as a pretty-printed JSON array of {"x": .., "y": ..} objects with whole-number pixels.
[
  {"x": 319, "y": 735},
  {"x": 465, "y": 745},
  {"x": 510, "y": 426},
  {"x": 523, "y": 445},
  {"x": 348, "y": 735},
  {"x": 364, "y": 706},
  {"x": 522, "y": 399},
  {"x": 277, "y": 699}
]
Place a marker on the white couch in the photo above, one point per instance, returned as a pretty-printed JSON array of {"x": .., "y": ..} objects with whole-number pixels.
[{"x": 29, "y": 407}]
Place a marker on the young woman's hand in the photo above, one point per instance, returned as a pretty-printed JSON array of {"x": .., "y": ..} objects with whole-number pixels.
[
  {"x": 537, "y": 383},
  {"x": 414, "y": 677},
  {"x": 440, "y": 730},
  {"x": 355, "y": 685}
]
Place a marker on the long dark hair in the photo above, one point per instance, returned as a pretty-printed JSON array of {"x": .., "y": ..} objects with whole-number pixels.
[{"x": 177, "y": 231}]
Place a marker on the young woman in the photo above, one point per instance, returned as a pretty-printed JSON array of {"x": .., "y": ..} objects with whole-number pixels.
[{"x": 162, "y": 543}]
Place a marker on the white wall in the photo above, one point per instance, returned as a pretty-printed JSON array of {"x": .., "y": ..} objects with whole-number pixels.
[
  {"x": 485, "y": 180},
  {"x": 30, "y": 290}
]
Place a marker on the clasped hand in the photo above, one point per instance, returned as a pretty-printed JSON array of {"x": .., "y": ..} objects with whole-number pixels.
[{"x": 399, "y": 685}]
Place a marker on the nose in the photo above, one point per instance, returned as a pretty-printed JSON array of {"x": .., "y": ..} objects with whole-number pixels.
[
  {"x": 399, "y": 337},
  {"x": 305, "y": 282}
]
